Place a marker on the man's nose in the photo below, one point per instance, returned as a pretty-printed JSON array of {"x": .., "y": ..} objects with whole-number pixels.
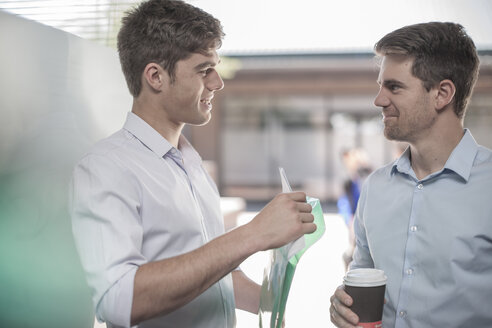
[
  {"x": 381, "y": 99},
  {"x": 215, "y": 82}
]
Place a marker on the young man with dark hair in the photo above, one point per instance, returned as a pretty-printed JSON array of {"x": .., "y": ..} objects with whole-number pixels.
[
  {"x": 146, "y": 215},
  {"x": 426, "y": 219}
]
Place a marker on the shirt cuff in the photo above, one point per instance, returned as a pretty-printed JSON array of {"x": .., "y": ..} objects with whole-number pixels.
[{"x": 115, "y": 307}]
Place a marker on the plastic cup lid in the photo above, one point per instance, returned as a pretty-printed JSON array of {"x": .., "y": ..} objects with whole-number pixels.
[{"x": 365, "y": 277}]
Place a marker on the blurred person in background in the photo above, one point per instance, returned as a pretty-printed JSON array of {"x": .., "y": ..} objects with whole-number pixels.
[
  {"x": 426, "y": 219},
  {"x": 146, "y": 216},
  {"x": 356, "y": 163}
]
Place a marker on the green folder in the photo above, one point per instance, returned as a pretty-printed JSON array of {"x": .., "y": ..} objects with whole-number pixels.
[{"x": 279, "y": 273}]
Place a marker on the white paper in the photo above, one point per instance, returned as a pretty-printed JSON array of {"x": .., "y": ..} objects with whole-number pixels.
[{"x": 299, "y": 244}]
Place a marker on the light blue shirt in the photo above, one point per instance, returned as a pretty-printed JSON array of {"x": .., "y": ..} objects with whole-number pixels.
[
  {"x": 433, "y": 239},
  {"x": 137, "y": 199}
]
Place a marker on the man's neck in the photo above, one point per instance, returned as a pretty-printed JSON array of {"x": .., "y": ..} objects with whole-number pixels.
[
  {"x": 430, "y": 154},
  {"x": 156, "y": 117}
]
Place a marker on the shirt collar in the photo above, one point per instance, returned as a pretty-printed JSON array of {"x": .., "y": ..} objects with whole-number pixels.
[
  {"x": 156, "y": 142},
  {"x": 402, "y": 164},
  {"x": 188, "y": 151},
  {"x": 462, "y": 158},
  {"x": 460, "y": 161}
]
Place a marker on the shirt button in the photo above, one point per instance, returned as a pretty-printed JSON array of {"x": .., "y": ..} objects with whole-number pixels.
[
  {"x": 413, "y": 228},
  {"x": 420, "y": 186},
  {"x": 410, "y": 271},
  {"x": 402, "y": 314}
]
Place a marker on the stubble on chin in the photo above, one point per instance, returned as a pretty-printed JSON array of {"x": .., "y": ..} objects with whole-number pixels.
[{"x": 392, "y": 133}]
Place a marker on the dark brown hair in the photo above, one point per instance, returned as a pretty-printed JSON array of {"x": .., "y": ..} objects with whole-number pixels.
[
  {"x": 440, "y": 51},
  {"x": 163, "y": 32}
]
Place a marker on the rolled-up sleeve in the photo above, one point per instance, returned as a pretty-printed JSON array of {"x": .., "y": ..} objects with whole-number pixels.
[{"x": 106, "y": 223}]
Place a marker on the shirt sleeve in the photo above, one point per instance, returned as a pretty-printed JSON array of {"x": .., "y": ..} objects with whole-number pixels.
[
  {"x": 107, "y": 228},
  {"x": 362, "y": 256}
]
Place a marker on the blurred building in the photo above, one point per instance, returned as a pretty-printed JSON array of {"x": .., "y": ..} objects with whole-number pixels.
[{"x": 299, "y": 111}]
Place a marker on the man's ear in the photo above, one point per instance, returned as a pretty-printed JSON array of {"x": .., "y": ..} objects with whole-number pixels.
[
  {"x": 445, "y": 94},
  {"x": 154, "y": 76}
]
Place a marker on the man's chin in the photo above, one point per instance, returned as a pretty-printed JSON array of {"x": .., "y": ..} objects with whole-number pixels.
[
  {"x": 391, "y": 134},
  {"x": 202, "y": 121}
]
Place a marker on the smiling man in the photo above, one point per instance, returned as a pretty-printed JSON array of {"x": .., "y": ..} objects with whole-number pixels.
[
  {"x": 426, "y": 219},
  {"x": 145, "y": 213}
]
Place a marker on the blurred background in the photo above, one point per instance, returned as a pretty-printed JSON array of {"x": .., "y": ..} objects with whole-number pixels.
[{"x": 300, "y": 80}]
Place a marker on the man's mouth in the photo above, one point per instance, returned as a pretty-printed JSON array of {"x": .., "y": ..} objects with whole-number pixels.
[
  {"x": 206, "y": 101},
  {"x": 387, "y": 115}
]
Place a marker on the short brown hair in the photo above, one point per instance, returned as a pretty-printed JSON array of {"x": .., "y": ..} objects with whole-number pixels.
[
  {"x": 164, "y": 32},
  {"x": 440, "y": 51}
]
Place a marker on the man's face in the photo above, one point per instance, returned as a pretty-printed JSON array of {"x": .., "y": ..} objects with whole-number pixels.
[
  {"x": 188, "y": 99},
  {"x": 408, "y": 114}
]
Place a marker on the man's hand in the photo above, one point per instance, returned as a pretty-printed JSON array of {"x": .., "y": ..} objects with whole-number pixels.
[
  {"x": 340, "y": 313},
  {"x": 286, "y": 218},
  {"x": 163, "y": 286}
]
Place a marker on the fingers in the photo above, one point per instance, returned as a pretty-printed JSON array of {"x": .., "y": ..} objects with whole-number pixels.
[
  {"x": 309, "y": 228},
  {"x": 341, "y": 295},
  {"x": 304, "y": 207},
  {"x": 300, "y": 201},
  {"x": 307, "y": 220},
  {"x": 340, "y": 313},
  {"x": 284, "y": 219},
  {"x": 306, "y": 217},
  {"x": 298, "y": 196},
  {"x": 304, "y": 210},
  {"x": 338, "y": 320}
]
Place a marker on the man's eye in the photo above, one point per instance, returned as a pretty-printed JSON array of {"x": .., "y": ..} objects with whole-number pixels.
[
  {"x": 205, "y": 72},
  {"x": 394, "y": 87}
]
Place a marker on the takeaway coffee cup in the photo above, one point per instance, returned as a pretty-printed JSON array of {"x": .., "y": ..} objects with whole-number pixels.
[{"x": 366, "y": 287}]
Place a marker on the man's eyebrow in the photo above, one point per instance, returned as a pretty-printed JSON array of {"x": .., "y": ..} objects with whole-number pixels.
[
  {"x": 206, "y": 64},
  {"x": 391, "y": 82}
]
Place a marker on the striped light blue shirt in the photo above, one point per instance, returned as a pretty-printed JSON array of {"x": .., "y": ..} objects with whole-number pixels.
[
  {"x": 433, "y": 238},
  {"x": 137, "y": 199}
]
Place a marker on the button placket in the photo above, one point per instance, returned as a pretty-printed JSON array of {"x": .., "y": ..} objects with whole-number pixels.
[{"x": 410, "y": 252}]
